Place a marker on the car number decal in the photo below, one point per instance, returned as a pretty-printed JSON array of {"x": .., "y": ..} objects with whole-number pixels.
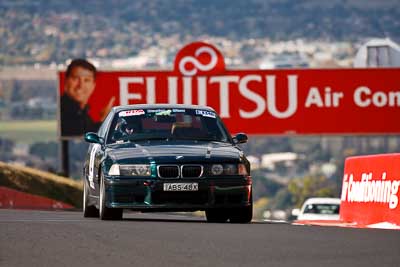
[
  {"x": 134, "y": 112},
  {"x": 91, "y": 164},
  {"x": 181, "y": 187}
]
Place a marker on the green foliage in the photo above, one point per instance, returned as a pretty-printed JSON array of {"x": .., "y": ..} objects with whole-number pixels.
[
  {"x": 259, "y": 207},
  {"x": 310, "y": 186},
  {"x": 282, "y": 200},
  {"x": 264, "y": 187},
  {"x": 276, "y": 193}
]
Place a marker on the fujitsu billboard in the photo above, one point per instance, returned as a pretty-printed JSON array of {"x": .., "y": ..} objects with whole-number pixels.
[{"x": 264, "y": 102}]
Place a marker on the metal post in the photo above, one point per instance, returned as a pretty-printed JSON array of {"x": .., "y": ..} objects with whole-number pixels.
[{"x": 65, "y": 158}]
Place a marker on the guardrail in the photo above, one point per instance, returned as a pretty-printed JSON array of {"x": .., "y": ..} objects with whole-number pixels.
[{"x": 10, "y": 198}]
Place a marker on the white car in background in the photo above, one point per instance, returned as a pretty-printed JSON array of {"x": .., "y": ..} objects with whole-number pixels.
[{"x": 319, "y": 209}]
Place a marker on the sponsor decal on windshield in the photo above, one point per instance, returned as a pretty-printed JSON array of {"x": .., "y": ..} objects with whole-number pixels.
[
  {"x": 155, "y": 110},
  {"x": 134, "y": 112},
  {"x": 176, "y": 110},
  {"x": 206, "y": 113},
  {"x": 164, "y": 113}
]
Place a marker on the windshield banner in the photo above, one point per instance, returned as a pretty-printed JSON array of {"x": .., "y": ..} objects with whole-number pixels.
[{"x": 264, "y": 102}]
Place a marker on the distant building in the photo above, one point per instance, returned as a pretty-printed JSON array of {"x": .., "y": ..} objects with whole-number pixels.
[
  {"x": 268, "y": 161},
  {"x": 378, "y": 53},
  {"x": 284, "y": 61}
]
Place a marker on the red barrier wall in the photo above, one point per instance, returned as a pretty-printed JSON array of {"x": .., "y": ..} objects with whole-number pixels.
[
  {"x": 10, "y": 198},
  {"x": 370, "y": 190}
]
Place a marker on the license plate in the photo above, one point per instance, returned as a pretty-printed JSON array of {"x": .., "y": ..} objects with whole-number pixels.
[{"x": 181, "y": 187}]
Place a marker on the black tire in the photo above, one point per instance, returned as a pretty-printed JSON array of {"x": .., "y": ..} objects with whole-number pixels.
[
  {"x": 105, "y": 212},
  {"x": 241, "y": 215},
  {"x": 217, "y": 215},
  {"x": 89, "y": 211}
]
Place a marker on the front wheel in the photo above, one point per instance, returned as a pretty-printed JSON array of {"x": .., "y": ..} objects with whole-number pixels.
[
  {"x": 105, "y": 212},
  {"x": 241, "y": 215},
  {"x": 89, "y": 211},
  {"x": 216, "y": 215}
]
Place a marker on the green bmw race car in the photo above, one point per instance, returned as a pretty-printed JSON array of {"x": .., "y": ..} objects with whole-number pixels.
[{"x": 166, "y": 157}]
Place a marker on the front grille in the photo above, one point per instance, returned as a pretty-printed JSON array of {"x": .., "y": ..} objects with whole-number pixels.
[
  {"x": 192, "y": 171},
  {"x": 168, "y": 171}
]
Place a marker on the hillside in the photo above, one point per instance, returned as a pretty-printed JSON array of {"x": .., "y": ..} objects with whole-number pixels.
[
  {"x": 51, "y": 31},
  {"x": 41, "y": 183}
]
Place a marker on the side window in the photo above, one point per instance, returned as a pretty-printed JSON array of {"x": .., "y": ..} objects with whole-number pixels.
[{"x": 103, "y": 128}]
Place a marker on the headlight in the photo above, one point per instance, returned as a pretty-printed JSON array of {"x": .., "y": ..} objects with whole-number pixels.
[
  {"x": 114, "y": 170},
  {"x": 130, "y": 170},
  {"x": 228, "y": 169},
  {"x": 217, "y": 169}
]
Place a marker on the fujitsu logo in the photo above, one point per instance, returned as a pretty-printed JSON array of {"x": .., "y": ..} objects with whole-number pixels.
[
  {"x": 199, "y": 58},
  {"x": 200, "y": 77},
  {"x": 196, "y": 63}
]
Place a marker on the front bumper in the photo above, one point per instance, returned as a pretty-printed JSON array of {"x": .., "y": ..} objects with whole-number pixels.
[{"x": 148, "y": 194}]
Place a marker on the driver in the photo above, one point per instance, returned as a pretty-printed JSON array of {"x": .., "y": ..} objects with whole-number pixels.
[{"x": 122, "y": 129}]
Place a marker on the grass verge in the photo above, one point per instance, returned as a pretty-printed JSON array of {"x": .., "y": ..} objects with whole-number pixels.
[
  {"x": 41, "y": 183},
  {"x": 29, "y": 132}
]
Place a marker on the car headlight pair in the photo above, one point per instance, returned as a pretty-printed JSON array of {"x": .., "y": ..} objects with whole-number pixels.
[
  {"x": 145, "y": 170},
  {"x": 130, "y": 170},
  {"x": 228, "y": 169}
]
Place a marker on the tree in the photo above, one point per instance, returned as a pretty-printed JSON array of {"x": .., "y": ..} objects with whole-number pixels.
[{"x": 310, "y": 186}]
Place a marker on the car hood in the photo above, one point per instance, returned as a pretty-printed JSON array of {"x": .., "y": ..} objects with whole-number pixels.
[{"x": 171, "y": 152}]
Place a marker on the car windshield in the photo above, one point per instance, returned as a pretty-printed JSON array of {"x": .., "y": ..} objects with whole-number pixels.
[
  {"x": 322, "y": 209},
  {"x": 166, "y": 124}
]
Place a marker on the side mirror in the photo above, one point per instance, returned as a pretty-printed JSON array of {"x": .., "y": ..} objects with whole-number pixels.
[
  {"x": 93, "y": 138},
  {"x": 240, "y": 138}
]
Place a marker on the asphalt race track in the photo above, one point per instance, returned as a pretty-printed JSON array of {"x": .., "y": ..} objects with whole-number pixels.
[{"x": 44, "y": 238}]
